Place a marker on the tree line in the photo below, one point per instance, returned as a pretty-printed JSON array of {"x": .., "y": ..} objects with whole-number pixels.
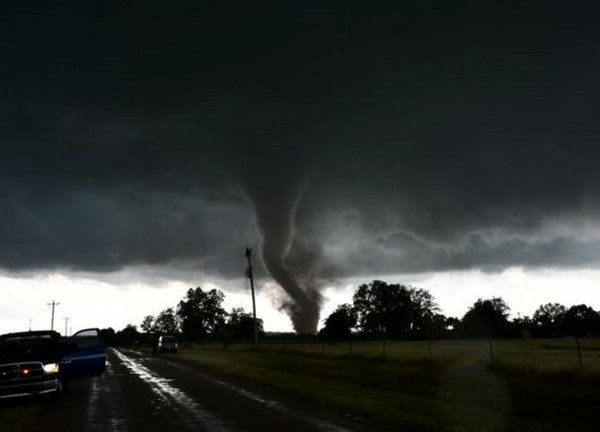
[
  {"x": 378, "y": 310},
  {"x": 396, "y": 311},
  {"x": 198, "y": 316}
]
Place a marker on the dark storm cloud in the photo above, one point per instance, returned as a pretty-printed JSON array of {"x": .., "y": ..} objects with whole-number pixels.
[
  {"x": 407, "y": 254},
  {"x": 104, "y": 230},
  {"x": 368, "y": 140}
]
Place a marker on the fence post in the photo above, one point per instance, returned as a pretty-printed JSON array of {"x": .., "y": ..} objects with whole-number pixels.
[{"x": 578, "y": 349}]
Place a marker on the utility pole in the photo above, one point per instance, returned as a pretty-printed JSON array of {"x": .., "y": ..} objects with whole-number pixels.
[
  {"x": 250, "y": 276},
  {"x": 53, "y": 304},
  {"x": 29, "y": 324},
  {"x": 66, "y": 322}
]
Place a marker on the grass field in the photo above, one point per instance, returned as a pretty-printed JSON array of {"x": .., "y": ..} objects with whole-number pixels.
[
  {"x": 18, "y": 416},
  {"x": 530, "y": 385},
  {"x": 543, "y": 354},
  {"x": 449, "y": 385}
]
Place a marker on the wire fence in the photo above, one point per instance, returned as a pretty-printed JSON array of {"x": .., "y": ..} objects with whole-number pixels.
[{"x": 563, "y": 353}]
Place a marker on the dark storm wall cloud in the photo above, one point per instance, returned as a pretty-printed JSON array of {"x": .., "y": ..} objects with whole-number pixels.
[
  {"x": 132, "y": 131},
  {"x": 109, "y": 229},
  {"x": 407, "y": 254}
]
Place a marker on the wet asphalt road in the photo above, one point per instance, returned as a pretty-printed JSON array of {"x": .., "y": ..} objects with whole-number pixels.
[{"x": 148, "y": 393}]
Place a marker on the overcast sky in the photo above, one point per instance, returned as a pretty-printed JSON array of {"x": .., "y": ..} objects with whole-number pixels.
[{"x": 144, "y": 145}]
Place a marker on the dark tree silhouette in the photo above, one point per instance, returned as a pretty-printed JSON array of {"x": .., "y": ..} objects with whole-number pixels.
[
  {"x": 549, "y": 319},
  {"x": 147, "y": 324},
  {"x": 240, "y": 325},
  {"x": 425, "y": 321},
  {"x": 108, "y": 336},
  {"x": 393, "y": 310},
  {"x": 486, "y": 318},
  {"x": 582, "y": 320},
  {"x": 127, "y": 336},
  {"x": 166, "y": 322},
  {"x": 201, "y": 313},
  {"x": 521, "y": 327},
  {"x": 452, "y": 324},
  {"x": 339, "y": 324},
  {"x": 439, "y": 327}
]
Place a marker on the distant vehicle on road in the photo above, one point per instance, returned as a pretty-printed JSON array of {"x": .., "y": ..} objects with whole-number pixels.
[
  {"x": 39, "y": 362},
  {"x": 166, "y": 343}
]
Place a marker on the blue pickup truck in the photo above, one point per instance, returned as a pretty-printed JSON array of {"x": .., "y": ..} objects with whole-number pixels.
[{"x": 40, "y": 362}]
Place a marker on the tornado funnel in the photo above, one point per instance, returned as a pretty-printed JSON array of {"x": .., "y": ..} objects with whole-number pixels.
[{"x": 275, "y": 207}]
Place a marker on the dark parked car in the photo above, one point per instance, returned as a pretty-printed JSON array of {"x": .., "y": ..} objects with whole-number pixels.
[
  {"x": 166, "y": 344},
  {"x": 39, "y": 362}
]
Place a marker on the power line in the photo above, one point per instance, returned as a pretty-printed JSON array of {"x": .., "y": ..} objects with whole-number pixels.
[
  {"x": 53, "y": 304},
  {"x": 249, "y": 274},
  {"x": 66, "y": 323}
]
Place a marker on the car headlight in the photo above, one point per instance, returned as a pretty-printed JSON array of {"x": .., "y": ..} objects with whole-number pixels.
[{"x": 50, "y": 368}]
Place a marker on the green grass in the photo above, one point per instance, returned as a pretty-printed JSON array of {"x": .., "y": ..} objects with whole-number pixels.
[
  {"x": 15, "y": 417},
  {"x": 545, "y": 354},
  {"x": 347, "y": 382},
  {"x": 530, "y": 385}
]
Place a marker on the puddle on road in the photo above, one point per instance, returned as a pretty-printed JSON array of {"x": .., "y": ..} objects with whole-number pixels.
[
  {"x": 102, "y": 405},
  {"x": 171, "y": 398}
]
